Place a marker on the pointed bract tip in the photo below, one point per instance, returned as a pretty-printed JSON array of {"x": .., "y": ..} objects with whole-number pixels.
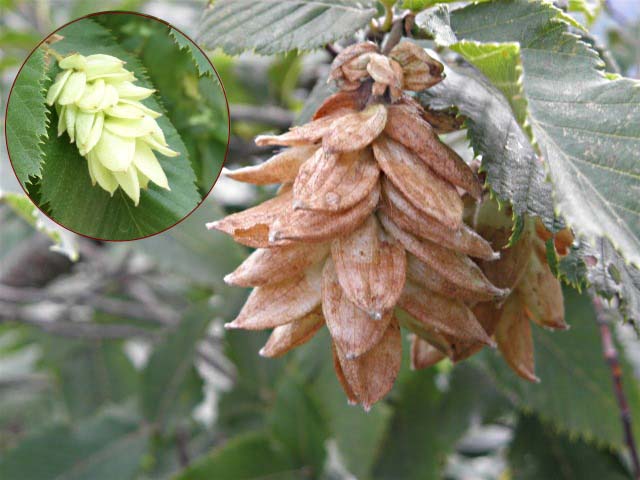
[
  {"x": 231, "y": 326},
  {"x": 375, "y": 315},
  {"x": 299, "y": 205},
  {"x": 351, "y": 403},
  {"x": 495, "y": 256},
  {"x": 212, "y": 225},
  {"x": 262, "y": 352},
  {"x": 225, "y": 171},
  {"x": 228, "y": 279},
  {"x": 492, "y": 343},
  {"x": 366, "y": 407},
  {"x": 350, "y": 356},
  {"x": 274, "y": 236}
]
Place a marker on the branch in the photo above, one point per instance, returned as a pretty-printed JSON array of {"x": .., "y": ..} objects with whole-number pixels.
[
  {"x": 268, "y": 114},
  {"x": 611, "y": 356}
]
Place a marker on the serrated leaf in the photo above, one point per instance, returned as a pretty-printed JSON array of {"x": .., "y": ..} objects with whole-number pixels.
[
  {"x": 513, "y": 169},
  {"x": 412, "y": 449},
  {"x": 66, "y": 186},
  {"x": 245, "y": 457},
  {"x": 201, "y": 62},
  {"x": 540, "y": 452},
  {"x": 500, "y": 63},
  {"x": 27, "y": 118},
  {"x": 101, "y": 448},
  {"x": 171, "y": 387},
  {"x": 585, "y": 124},
  {"x": 575, "y": 383},
  {"x": 280, "y": 26},
  {"x": 603, "y": 267},
  {"x": 297, "y": 423}
]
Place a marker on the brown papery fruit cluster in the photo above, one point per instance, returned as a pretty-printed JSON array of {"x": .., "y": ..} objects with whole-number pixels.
[
  {"x": 366, "y": 232},
  {"x": 535, "y": 293}
]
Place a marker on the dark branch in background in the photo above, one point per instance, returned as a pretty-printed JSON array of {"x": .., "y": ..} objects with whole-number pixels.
[
  {"x": 270, "y": 115},
  {"x": 395, "y": 35},
  {"x": 611, "y": 356}
]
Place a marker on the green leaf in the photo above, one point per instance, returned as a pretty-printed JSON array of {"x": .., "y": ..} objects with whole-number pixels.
[
  {"x": 91, "y": 374},
  {"x": 500, "y": 63},
  {"x": 66, "y": 186},
  {"x": 246, "y": 406},
  {"x": 585, "y": 124},
  {"x": 200, "y": 60},
  {"x": 105, "y": 447},
  {"x": 246, "y": 457},
  {"x": 589, "y": 8},
  {"x": 64, "y": 241},
  {"x": 359, "y": 435},
  {"x": 575, "y": 383},
  {"x": 27, "y": 119},
  {"x": 429, "y": 421},
  {"x": 612, "y": 277},
  {"x": 540, "y": 452},
  {"x": 171, "y": 387},
  {"x": 280, "y": 26},
  {"x": 513, "y": 170},
  {"x": 296, "y": 422}
]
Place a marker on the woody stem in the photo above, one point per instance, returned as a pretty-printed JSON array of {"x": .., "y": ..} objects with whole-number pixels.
[{"x": 611, "y": 356}]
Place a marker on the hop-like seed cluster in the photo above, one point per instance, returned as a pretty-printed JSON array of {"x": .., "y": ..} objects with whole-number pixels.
[
  {"x": 100, "y": 108},
  {"x": 367, "y": 231}
]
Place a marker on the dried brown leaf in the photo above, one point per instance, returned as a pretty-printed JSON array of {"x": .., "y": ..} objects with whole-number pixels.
[
  {"x": 428, "y": 278},
  {"x": 442, "y": 315},
  {"x": 370, "y": 268},
  {"x": 277, "y": 304},
  {"x": 306, "y": 134},
  {"x": 515, "y": 340},
  {"x": 287, "y": 337},
  {"x": 341, "y": 101},
  {"x": 281, "y": 168},
  {"x": 407, "y": 127},
  {"x": 335, "y": 181},
  {"x": 354, "y": 131},
  {"x": 273, "y": 265},
  {"x": 541, "y": 293},
  {"x": 352, "y": 329},
  {"x": 420, "y": 70},
  {"x": 409, "y": 218},
  {"x": 349, "y": 54},
  {"x": 455, "y": 267},
  {"x": 423, "y": 354},
  {"x": 371, "y": 376},
  {"x": 251, "y": 227},
  {"x": 425, "y": 190},
  {"x": 319, "y": 226}
]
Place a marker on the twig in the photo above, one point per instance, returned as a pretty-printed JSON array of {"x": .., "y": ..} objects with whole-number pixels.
[
  {"x": 332, "y": 50},
  {"x": 611, "y": 356},
  {"x": 269, "y": 114},
  {"x": 182, "y": 441},
  {"x": 394, "y": 36}
]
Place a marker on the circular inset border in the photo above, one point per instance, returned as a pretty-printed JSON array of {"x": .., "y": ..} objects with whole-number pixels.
[{"x": 224, "y": 92}]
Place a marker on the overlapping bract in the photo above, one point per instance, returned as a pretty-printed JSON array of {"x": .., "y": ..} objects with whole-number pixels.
[
  {"x": 367, "y": 231},
  {"x": 100, "y": 108}
]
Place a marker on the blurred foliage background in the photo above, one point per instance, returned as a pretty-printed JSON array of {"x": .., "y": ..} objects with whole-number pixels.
[{"x": 114, "y": 363}]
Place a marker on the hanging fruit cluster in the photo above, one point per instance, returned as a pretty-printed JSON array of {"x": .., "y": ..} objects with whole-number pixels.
[
  {"x": 367, "y": 231},
  {"x": 100, "y": 108}
]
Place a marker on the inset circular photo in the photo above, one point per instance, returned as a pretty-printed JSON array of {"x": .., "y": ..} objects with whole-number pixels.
[{"x": 117, "y": 126}]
